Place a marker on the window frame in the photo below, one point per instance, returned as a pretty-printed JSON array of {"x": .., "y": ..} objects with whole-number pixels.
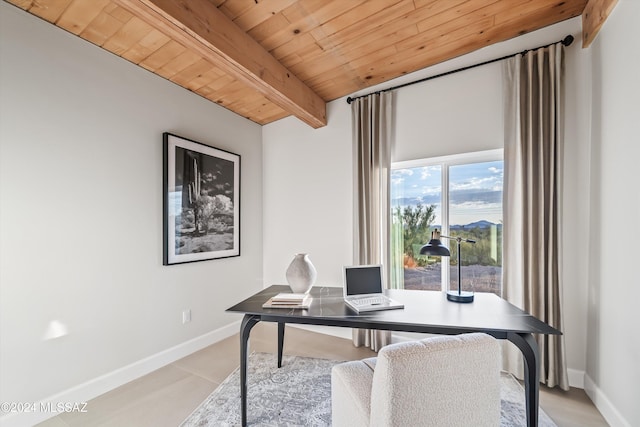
[{"x": 445, "y": 162}]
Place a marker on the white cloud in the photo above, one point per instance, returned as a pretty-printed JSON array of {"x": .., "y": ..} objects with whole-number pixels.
[
  {"x": 398, "y": 176},
  {"x": 431, "y": 190},
  {"x": 489, "y": 182},
  {"x": 408, "y": 172},
  {"x": 426, "y": 171}
]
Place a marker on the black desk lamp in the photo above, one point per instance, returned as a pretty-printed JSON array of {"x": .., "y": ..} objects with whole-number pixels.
[{"x": 436, "y": 248}]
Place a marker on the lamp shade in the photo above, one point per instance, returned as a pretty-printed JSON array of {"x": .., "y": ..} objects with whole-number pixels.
[{"x": 436, "y": 248}]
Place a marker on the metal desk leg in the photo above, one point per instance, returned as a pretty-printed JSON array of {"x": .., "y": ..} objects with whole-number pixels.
[
  {"x": 529, "y": 348},
  {"x": 280, "y": 342},
  {"x": 248, "y": 322}
]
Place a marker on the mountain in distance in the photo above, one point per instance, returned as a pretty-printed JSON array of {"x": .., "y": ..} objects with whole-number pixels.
[{"x": 478, "y": 224}]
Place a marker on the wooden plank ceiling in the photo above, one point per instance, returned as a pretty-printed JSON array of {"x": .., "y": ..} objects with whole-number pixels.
[{"x": 268, "y": 59}]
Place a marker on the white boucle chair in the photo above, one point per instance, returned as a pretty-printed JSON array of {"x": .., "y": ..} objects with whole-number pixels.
[{"x": 439, "y": 381}]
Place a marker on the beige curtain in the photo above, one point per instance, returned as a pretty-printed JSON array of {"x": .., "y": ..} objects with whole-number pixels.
[
  {"x": 371, "y": 122},
  {"x": 534, "y": 87}
]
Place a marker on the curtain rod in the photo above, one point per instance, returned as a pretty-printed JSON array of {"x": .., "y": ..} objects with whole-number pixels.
[{"x": 566, "y": 41}]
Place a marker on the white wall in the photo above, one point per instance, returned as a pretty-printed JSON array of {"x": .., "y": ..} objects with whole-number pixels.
[
  {"x": 613, "y": 344},
  {"x": 308, "y": 201},
  {"x": 81, "y": 212},
  {"x": 307, "y": 195}
]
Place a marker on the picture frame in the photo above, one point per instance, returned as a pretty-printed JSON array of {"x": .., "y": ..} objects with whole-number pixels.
[{"x": 201, "y": 201}]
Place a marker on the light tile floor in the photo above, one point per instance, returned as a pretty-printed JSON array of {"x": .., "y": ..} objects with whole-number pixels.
[{"x": 167, "y": 396}]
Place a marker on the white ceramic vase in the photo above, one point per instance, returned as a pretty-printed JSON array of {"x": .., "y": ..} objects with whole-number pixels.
[{"x": 301, "y": 274}]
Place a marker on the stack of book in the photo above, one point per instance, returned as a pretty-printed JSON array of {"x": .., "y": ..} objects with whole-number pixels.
[{"x": 288, "y": 300}]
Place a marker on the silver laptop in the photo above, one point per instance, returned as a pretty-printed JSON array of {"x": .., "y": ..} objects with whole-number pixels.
[{"x": 363, "y": 289}]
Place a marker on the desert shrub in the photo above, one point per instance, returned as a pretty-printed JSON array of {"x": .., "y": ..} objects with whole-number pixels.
[{"x": 218, "y": 225}]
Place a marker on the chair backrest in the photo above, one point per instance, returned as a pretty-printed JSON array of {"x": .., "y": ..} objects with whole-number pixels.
[{"x": 438, "y": 381}]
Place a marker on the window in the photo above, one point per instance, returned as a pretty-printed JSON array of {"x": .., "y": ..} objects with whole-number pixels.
[{"x": 460, "y": 196}]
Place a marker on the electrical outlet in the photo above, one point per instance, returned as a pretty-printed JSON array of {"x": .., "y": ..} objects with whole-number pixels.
[{"x": 186, "y": 316}]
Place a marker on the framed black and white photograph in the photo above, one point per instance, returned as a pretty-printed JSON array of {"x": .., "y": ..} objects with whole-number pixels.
[{"x": 201, "y": 201}]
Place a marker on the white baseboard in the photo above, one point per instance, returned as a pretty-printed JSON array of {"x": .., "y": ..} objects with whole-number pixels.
[
  {"x": 604, "y": 405},
  {"x": 100, "y": 385},
  {"x": 327, "y": 330},
  {"x": 346, "y": 332}
]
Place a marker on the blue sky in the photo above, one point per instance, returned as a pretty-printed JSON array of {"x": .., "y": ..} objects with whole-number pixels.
[{"x": 473, "y": 190}]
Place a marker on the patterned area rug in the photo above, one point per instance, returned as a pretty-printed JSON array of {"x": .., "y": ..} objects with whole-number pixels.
[{"x": 299, "y": 394}]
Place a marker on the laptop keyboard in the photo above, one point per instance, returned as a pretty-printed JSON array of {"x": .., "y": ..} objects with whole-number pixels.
[{"x": 369, "y": 301}]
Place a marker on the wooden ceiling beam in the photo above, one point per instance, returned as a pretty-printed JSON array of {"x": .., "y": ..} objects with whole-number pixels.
[
  {"x": 201, "y": 27},
  {"x": 593, "y": 17}
]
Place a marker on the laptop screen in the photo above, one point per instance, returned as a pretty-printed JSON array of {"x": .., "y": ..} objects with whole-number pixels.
[{"x": 363, "y": 279}]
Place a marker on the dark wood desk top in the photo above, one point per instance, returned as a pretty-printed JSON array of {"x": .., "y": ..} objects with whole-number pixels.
[{"x": 425, "y": 311}]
